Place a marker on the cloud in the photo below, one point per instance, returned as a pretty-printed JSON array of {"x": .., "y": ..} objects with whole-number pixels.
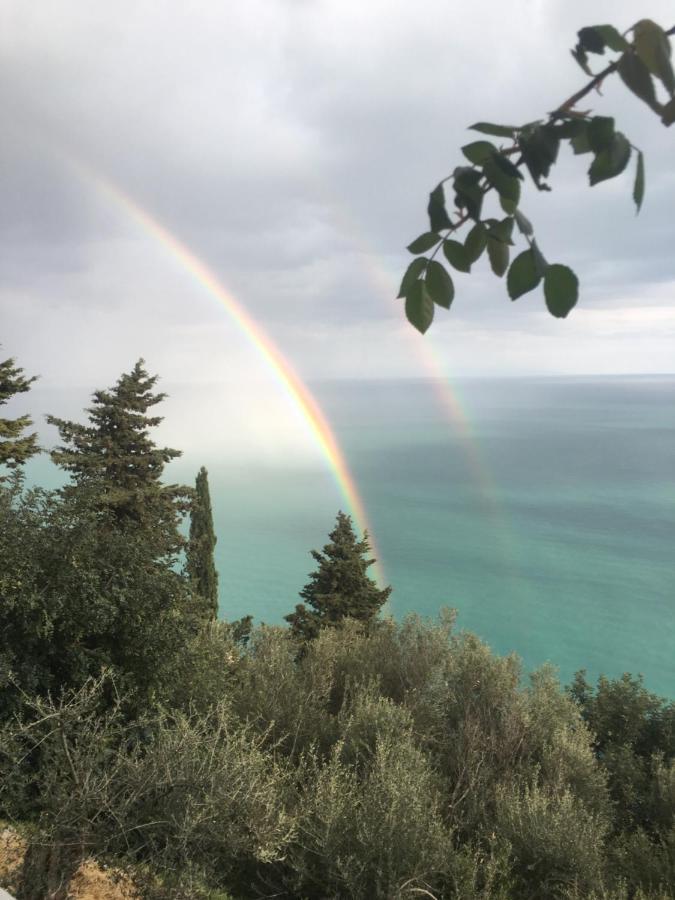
[{"x": 291, "y": 145}]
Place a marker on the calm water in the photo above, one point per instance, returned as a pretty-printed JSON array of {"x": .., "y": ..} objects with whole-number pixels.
[{"x": 549, "y": 527}]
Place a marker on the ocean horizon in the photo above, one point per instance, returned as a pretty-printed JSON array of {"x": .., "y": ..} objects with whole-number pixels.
[{"x": 542, "y": 509}]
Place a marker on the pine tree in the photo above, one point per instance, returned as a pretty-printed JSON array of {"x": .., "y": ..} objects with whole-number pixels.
[
  {"x": 201, "y": 567},
  {"x": 340, "y": 586},
  {"x": 115, "y": 458},
  {"x": 15, "y": 449}
]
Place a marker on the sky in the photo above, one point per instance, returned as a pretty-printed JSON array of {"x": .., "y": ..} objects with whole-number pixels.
[{"x": 291, "y": 146}]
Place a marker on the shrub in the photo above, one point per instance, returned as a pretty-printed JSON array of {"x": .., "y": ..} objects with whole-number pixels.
[{"x": 557, "y": 843}]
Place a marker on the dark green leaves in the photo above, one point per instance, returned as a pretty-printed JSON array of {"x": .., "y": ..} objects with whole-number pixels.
[
  {"x": 635, "y": 75},
  {"x": 419, "y": 307},
  {"x": 506, "y": 185},
  {"x": 412, "y": 273},
  {"x": 596, "y": 38},
  {"x": 539, "y": 146},
  {"x": 438, "y": 216},
  {"x": 580, "y": 143},
  {"x": 498, "y": 253},
  {"x": 523, "y": 223},
  {"x": 612, "y": 38},
  {"x": 561, "y": 290},
  {"x": 468, "y": 193},
  {"x": 456, "y": 255},
  {"x": 439, "y": 284},
  {"x": 600, "y": 131},
  {"x": 501, "y": 230},
  {"x": 508, "y": 131},
  {"x": 639, "y": 185},
  {"x": 591, "y": 40},
  {"x": 424, "y": 242},
  {"x": 479, "y": 151},
  {"x": 653, "y": 47},
  {"x": 611, "y": 161},
  {"x": 476, "y": 241},
  {"x": 668, "y": 112},
  {"x": 579, "y": 55},
  {"x": 524, "y": 275}
]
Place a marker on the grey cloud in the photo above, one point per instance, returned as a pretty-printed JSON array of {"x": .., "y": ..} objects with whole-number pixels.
[{"x": 292, "y": 146}]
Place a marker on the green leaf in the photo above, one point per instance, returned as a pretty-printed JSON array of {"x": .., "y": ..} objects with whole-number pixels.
[
  {"x": 579, "y": 55},
  {"x": 507, "y": 166},
  {"x": 476, "y": 241},
  {"x": 523, "y": 223},
  {"x": 509, "y": 206},
  {"x": 539, "y": 147},
  {"x": 600, "y": 132},
  {"x": 478, "y": 151},
  {"x": 438, "y": 216},
  {"x": 506, "y": 185},
  {"x": 412, "y": 273},
  {"x": 539, "y": 262},
  {"x": 469, "y": 194},
  {"x": 456, "y": 255},
  {"x": 612, "y": 38},
  {"x": 668, "y": 113},
  {"x": 561, "y": 290},
  {"x": 523, "y": 275},
  {"x": 419, "y": 307},
  {"x": 580, "y": 143},
  {"x": 501, "y": 230},
  {"x": 639, "y": 185},
  {"x": 635, "y": 75},
  {"x": 498, "y": 252},
  {"x": 439, "y": 284},
  {"x": 508, "y": 131},
  {"x": 424, "y": 242},
  {"x": 653, "y": 47},
  {"x": 570, "y": 128},
  {"x": 591, "y": 40},
  {"x": 612, "y": 161}
]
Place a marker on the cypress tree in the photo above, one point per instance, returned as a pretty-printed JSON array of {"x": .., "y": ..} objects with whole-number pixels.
[
  {"x": 15, "y": 448},
  {"x": 115, "y": 458},
  {"x": 340, "y": 586},
  {"x": 201, "y": 567}
]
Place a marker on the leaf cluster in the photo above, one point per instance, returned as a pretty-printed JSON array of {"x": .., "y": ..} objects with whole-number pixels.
[{"x": 496, "y": 170}]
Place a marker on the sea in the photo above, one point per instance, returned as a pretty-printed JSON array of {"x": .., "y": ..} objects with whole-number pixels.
[{"x": 541, "y": 509}]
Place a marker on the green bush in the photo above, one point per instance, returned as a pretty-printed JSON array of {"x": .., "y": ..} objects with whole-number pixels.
[{"x": 557, "y": 843}]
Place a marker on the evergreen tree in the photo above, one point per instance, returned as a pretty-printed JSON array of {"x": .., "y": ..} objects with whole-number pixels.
[
  {"x": 340, "y": 586},
  {"x": 15, "y": 449},
  {"x": 201, "y": 567},
  {"x": 115, "y": 457}
]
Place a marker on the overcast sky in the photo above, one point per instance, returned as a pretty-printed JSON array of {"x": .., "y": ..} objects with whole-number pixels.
[{"x": 291, "y": 144}]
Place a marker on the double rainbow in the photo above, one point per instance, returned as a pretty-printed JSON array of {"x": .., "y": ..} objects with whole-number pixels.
[{"x": 280, "y": 367}]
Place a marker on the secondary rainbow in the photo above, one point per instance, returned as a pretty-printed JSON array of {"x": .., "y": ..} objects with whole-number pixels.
[{"x": 279, "y": 365}]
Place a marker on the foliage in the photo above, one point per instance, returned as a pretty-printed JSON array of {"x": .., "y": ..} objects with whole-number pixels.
[
  {"x": 79, "y": 594},
  {"x": 398, "y": 761},
  {"x": 497, "y": 170},
  {"x": 214, "y": 759},
  {"x": 115, "y": 457},
  {"x": 185, "y": 793},
  {"x": 200, "y": 565},
  {"x": 15, "y": 448},
  {"x": 340, "y": 587},
  {"x": 634, "y": 738}
]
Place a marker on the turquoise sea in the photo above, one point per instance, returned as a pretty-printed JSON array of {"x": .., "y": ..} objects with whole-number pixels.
[
  {"x": 547, "y": 520},
  {"x": 550, "y": 527}
]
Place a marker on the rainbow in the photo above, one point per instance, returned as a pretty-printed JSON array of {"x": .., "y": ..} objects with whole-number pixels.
[
  {"x": 280, "y": 367},
  {"x": 448, "y": 395}
]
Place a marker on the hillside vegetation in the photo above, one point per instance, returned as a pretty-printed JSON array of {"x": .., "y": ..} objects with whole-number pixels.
[{"x": 346, "y": 755}]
